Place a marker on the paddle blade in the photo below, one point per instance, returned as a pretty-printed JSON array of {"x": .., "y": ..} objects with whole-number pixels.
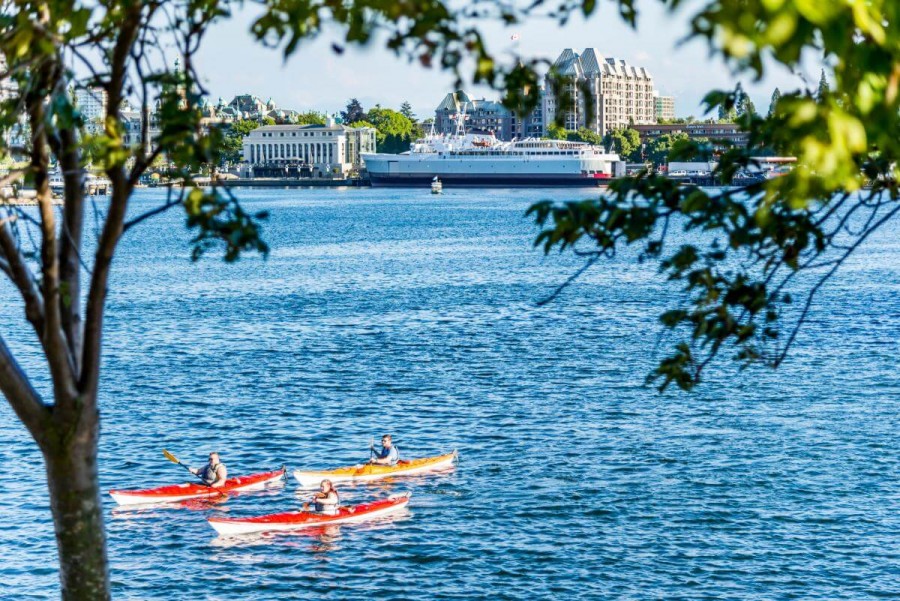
[{"x": 170, "y": 456}]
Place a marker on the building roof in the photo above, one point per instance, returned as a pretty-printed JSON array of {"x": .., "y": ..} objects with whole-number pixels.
[
  {"x": 459, "y": 101},
  {"x": 590, "y": 63},
  {"x": 313, "y": 126}
]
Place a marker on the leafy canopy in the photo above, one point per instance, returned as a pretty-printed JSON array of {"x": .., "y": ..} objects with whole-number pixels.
[{"x": 737, "y": 275}]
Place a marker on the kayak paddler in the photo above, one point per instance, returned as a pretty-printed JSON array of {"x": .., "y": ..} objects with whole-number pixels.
[
  {"x": 326, "y": 501},
  {"x": 214, "y": 473},
  {"x": 388, "y": 455}
]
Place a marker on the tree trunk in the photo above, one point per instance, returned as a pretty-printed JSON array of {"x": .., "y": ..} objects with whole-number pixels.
[{"x": 77, "y": 513}]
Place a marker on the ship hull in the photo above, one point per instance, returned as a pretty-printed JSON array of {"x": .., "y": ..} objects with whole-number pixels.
[
  {"x": 492, "y": 168},
  {"x": 454, "y": 180}
]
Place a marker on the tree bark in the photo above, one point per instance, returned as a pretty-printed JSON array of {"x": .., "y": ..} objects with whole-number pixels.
[{"x": 71, "y": 460}]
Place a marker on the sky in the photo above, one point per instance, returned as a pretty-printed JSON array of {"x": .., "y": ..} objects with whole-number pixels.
[{"x": 315, "y": 78}]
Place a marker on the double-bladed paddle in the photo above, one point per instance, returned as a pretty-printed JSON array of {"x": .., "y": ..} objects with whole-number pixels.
[{"x": 175, "y": 459}]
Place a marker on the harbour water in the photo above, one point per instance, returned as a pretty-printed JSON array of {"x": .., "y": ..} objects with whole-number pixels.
[{"x": 384, "y": 310}]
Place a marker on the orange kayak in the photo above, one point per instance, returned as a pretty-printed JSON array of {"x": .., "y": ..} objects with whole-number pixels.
[{"x": 367, "y": 472}]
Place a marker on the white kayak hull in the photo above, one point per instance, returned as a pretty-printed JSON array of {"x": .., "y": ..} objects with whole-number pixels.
[
  {"x": 237, "y": 527},
  {"x": 127, "y": 498}
]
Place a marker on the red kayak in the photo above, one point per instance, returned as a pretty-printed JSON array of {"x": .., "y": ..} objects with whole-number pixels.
[
  {"x": 190, "y": 490},
  {"x": 296, "y": 520}
]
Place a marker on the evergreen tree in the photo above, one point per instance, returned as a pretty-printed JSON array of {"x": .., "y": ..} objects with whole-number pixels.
[
  {"x": 746, "y": 107},
  {"x": 406, "y": 111},
  {"x": 822, "y": 92},
  {"x": 727, "y": 115},
  {"x": 776, "y": 95},
  {"x": 354, "y": 112}
]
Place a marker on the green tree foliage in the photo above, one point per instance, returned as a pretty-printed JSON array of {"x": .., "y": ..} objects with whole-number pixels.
[
  {"x": 395, "y": 131},
  {"x": 126, "y": 48},
  {"x": 233, "y": 139},
  {"x": 823, "y": 89},
  {"x": 310, "y": 118},
  {"x": 659, "y": 148},
  {"x": 736, "y": 277},
  {"x": 735, "y": 272},
  {"x": 407, "y": 111},
  {"x": 776, "y": 96},
  {"x": 727, "y": 114},
  {"x": 745, "y": 107},
  {"x": 626, "y": 142},
  {"x": 353, "y": 113},
  {"x": 585, "y": 135},
  {"x": 556, "y": 132}
]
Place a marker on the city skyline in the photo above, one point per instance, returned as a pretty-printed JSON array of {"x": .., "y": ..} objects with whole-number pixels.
[{"x": 315, "y": 78}]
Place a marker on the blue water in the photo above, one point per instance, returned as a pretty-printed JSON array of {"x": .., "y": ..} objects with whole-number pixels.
[{"x": 395, "y": 311}]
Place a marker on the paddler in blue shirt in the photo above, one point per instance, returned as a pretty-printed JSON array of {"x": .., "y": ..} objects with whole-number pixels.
[
  {"x": 388, "y": 455},
  {"x": 213, "y": 473}
]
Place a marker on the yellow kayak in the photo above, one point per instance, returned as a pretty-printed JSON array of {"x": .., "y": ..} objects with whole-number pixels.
[{"x": 367, "y": 471}]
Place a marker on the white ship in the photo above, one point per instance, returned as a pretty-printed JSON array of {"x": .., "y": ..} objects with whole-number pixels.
[{"x": 480, "y": 159}]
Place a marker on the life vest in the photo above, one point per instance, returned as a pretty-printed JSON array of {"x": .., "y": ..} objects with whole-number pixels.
[
  {"x": 328, "y": 507},
  {"x": 386, "y": 452},
  {"x": 208, "y": 473}
]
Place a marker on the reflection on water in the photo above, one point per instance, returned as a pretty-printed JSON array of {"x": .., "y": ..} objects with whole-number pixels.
[
  {"x": 150, "y": 510},
  {"x": 318, "y": 539}
]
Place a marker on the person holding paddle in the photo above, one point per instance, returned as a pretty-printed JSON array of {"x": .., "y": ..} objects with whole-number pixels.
[
  {"x": 388, "y": 455},
  {"x": 326, "y": 500},
  {"x": 213, "y": 473}
]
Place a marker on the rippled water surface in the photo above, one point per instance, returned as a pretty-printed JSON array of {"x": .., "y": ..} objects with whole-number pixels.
[{"x": 395, "y": 311}]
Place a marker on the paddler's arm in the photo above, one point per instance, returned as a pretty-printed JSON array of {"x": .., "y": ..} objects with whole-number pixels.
[
  {"x": 379, "y": 460},
  {"x": 221, "y": 476}
]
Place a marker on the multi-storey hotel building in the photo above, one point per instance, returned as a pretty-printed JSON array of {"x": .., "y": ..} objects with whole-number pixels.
[
  {"x": 307, "y": 150},
  {"x": 665, "y": 108},
  {"x": 620, "y": 94}
]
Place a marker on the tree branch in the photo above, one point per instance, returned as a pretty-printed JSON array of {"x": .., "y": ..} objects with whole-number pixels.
[
  {"x": 115, "y": 217},
  {"x": 70, "y": 244},
  {"x": 153, "y": 212},
  {"x": 22, "y": 397},
  {"x": 61, "y": 362},
  {"x": 22, "y": 277},
  {"x": 837, "y": 263}
]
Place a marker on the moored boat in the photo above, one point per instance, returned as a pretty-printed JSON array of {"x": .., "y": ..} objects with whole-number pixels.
[
  {"x": 368, "y": 472},
  {"x": 479, "y": 159},
  {"x": 189, "y": 490},
  {"x": 298, "y": 520}
]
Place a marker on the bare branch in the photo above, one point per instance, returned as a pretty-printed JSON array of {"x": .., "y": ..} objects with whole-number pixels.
[
  {"x": 20, "y": 394},
  {"x": 69, "y": 157},
  {"x": 61, "y": 362},
  {"x": 837, "y": 263},
  {"x": 22, "y": 277},
  {"x": 158, "y": 210},
  {"x": 570, "y": 280},
  {"x": 115, "y": 217}
]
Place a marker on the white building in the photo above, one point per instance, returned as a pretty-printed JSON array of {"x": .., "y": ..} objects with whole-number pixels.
[
  {"x": 620, "y": 93},
  {"x": 8, "y": 87},
  {"x": 316, "y": 150},
  {"x": 91, "y": 103},
  {"x": 665, "y": 108}
]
